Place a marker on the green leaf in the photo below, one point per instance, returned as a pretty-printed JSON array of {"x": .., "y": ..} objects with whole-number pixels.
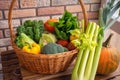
[
  {"x": 64, "y": 36},
  {"x": 58, "y": 33},
  {"x": 111, "y": 23},
  {"x": 114, "y": 9},
  {"x": 101, "y": 22}
]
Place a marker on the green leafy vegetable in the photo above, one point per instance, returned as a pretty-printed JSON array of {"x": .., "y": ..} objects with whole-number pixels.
[
  {"x": 22, "y": 40},
  {"x": 66, "y": 23},
  {"x": 106, "y": 12},
  {"x": 18, "y": 41},
  {"x": 32, "y": 29}
]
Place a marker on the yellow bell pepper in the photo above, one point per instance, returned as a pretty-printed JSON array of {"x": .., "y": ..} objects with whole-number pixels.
[
  {"x": 73, "y": 37},
  {"x": 74, "y": 34},
  {"x": 33, "y": 49}
]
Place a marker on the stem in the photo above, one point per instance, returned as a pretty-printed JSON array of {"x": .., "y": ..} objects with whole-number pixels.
[
  {"x": 91, "y": 57},
  {"x": 107, "y": 42},
  {"x": 96, "y": 58},
  {"x": 90, "y": 30},
  {"x": 78, "y": 60},
  {"x": 82, "y": 23},
  {"x": 77, "y": 63},
  {"x": 101, "y": 23}
]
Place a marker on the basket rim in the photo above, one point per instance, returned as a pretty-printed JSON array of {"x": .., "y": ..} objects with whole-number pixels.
[{"x": 41, "y": 55}]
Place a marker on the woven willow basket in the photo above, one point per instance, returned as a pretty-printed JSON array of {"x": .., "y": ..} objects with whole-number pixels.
[{"x": 41, "y": 63}]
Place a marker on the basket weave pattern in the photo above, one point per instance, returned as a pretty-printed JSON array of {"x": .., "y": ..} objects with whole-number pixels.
[
  {"x": 42, "y": 63},
  {"x": 45, "y": 64}
]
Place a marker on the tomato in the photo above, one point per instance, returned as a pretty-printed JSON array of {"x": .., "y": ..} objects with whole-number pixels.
[
  {"x": 64, "y": 43},
  {"x": 48, "y": 27}
]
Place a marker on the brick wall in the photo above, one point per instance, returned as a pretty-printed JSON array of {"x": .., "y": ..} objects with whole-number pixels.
[{"x": 40, "y": 9}]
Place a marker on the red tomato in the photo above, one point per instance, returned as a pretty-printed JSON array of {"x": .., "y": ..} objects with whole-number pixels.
[
  {"x": 48, "y": 27},
  {"x": 64, "y": 43}
]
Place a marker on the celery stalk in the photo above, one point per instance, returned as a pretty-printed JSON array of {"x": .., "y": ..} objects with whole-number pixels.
[
  {"x": 91, "y": 56},
  {"x": 77, "y": 63},
  {"x": 79, "y": 56},
  {"x": 96, "y": 56},
  {"x": 90, "y": 30}
]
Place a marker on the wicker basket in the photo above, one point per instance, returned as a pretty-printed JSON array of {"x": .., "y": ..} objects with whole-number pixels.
[{"x": 42, "y": 63}]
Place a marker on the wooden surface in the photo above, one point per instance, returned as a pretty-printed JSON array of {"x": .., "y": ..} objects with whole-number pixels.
[
  {"x": 10, "y": 66},
  {"x": 12, "y": 71},
  {"x": 65, "y": 75}
]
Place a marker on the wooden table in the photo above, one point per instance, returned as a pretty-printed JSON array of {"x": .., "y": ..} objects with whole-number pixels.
[{"x": 12, "y": 71}]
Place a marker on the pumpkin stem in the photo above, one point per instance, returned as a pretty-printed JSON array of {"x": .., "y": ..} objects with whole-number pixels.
[{"x": 107, "y": 42}]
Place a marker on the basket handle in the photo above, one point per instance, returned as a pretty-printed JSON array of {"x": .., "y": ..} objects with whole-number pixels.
[
  {"x": 84, "y": 13},
  {"x": 12, "y": 34}
]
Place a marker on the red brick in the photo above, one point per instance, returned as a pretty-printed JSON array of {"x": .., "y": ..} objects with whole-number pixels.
[
  {"x": 1, "y": 16},
  {"x": 91, "y": 15},
  {"x": 4, "y": 23},
  {"x": 10, "y": 48},
  {"x": 7, "y": 32},
  {"x": 5, "y": 42},
  {"x": 34, "y": 3},
  {"x": 50, "y": 10},
  {"x": 5, "y": 4},
  {"x": 59, "y": 16},
  {"x": 22, "y": 13},
  {"x": 76, "y": 8},
  {"x": 95, "y": 7},
  {"x": 63, "y": 2},
  {"x": 1, "y": 34},
  {"x": 28, "y": 3},
  {"x": 95, "y": 1},
  {"x": 44, "y": 18},
  {"x": 92, "y": 1},
  {"x": 2, "y": 49}
]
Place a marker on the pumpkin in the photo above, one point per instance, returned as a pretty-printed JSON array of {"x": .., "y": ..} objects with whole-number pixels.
[{"x": 109, "y": 58}]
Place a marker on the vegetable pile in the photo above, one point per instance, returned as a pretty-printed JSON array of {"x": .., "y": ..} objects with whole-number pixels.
[
  {"x": 67, "y": 33},
  {"x": 90, "y": 41},
  {"x": 53, "y": 36}
]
